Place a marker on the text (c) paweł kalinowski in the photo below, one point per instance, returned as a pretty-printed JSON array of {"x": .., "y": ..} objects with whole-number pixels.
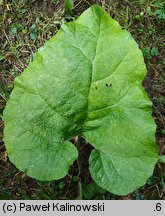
[{"x": 61, "y": 207}]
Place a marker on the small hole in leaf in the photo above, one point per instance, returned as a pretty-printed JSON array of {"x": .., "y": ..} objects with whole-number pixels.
[{"x": 108, "y": 85}]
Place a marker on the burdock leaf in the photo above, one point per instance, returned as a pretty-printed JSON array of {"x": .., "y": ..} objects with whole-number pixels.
[{"x": 86, "y": 80}]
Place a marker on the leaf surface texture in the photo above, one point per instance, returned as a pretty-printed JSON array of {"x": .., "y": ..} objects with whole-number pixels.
[{"x": 86, "y": 80}]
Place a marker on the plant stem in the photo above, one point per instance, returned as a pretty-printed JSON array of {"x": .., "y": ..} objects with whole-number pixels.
[{"x": 79, "y": 169}]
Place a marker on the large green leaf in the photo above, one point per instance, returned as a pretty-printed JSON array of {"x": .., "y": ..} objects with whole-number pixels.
[{"x": 86, "y": 80}]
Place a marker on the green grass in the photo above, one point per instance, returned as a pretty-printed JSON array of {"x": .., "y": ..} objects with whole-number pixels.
[{"x": 24, "y": 27}]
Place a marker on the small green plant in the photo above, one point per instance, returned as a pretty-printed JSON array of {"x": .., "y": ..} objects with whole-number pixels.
[
  {"x": 157, "y": 9},
  {"x": 33, "y": 32},
  {"x": 149, "y": 53},
  {"x": 69, "y": 5},
  {"x": 86, "y": 81},
  {"x": 162, "y": 158}
]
